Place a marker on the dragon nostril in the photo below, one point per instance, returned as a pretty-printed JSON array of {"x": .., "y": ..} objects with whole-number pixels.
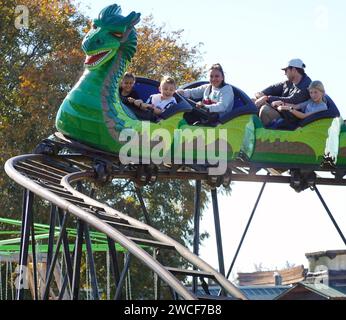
[{"x": 99, "y": 41}]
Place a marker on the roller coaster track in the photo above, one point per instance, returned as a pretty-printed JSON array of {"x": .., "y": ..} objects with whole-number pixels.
[
  {"x": 61, "y": 163},
  {"x": 50, "y": 178}
]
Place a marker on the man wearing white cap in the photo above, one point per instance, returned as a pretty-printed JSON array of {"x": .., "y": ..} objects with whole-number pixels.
[{"x": 293, "y": 91}]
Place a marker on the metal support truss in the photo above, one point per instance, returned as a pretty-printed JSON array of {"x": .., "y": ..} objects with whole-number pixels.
[
  {"x": 218, "y": 231},
  {"x": 330, "y": 215},
  {"x": 197, "y": 219},
  {"x": 246, "y": 230},
  {"x": 27, "y": 216}
]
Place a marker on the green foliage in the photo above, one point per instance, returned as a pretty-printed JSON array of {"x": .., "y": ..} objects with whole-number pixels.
[
  {"x": 39, "y": 66},
  {"x": 162, "y": 53},
  {"x": 170, "y": 209}
]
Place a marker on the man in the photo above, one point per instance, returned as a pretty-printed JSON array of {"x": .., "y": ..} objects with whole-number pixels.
[{"x": 293, "y": 91}]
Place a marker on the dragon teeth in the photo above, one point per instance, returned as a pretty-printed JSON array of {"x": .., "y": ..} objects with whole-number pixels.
[{"x": 101, "y": 59}]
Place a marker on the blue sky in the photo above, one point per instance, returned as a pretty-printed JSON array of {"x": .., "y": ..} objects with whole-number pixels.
[{"x": 253, "y": 40}]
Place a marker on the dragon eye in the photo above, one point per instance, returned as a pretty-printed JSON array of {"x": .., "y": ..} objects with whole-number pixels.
[
  {"x": 117, "y": 34},
  {"x": 94, "y": 26}
]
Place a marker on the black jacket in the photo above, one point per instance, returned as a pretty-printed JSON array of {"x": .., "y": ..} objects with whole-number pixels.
[{"x": 289, "y": 92}]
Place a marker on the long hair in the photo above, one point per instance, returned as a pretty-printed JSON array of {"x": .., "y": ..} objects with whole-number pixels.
[
  {"x": 318, "y": 85},
  {"x": 217, "y": 66}
]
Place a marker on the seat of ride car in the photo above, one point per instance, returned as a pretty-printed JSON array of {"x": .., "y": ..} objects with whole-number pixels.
[
  {"x": 242, "y": 105},
  {"x": 146, "y": 87},
  {"x": 331, "y": 112}
]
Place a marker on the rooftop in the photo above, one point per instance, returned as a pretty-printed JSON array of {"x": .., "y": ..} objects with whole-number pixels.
[
  {"x": 288, "y": 276},
  {"x": 311, "y": 291},
  {"x": 251, "y": 292},
  {"x": 331, "y": 254}
]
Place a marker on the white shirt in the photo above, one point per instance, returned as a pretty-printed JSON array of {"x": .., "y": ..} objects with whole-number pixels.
[
  {"x": 157, "y": 101},
  {"x": 222, "y": 98}
]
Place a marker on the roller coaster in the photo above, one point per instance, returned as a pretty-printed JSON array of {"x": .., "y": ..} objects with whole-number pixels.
[{"x": 88, "y": 149}]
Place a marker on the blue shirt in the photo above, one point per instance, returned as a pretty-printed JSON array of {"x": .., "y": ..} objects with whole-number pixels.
[{"x": 311, "y": 106}]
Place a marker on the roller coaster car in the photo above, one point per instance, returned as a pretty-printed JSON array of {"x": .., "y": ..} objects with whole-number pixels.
[
  {"x": 208, "y": 136},
  {"x": 146, "y": 87},
  {"x": 315, "y": 138},
  {"x": 243, "y": 105},
  {"x": 92, "y": 114},
  {"x": 314, "y": 141}
]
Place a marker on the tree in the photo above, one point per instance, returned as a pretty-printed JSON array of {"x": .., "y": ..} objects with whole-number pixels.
[
  {"x": 42, "y": 63},
  {"x": 289, "y": 265},
  {"x": 39, "y": 66},
  {"x": 162, "y": 53}
]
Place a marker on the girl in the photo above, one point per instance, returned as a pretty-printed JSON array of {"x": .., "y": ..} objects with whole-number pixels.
[
  {"x": 217, "y": 97},
  {"x": 316, "y": 103}
]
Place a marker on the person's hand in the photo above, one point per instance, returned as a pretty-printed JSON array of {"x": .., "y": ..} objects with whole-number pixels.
[
  {"x": 277, "y": 104},
  {"x": 200, "y": 104},
  {"x": 283, "y": 108},
  {"x": 130, "y": 100},
  {"x": 261, "y": 101},
  {"x": 157, "y": 111},
  {"x": 259, "y": 95},
  {"x": 138, "y": 103},
  {"x": 146, "y": 106}
]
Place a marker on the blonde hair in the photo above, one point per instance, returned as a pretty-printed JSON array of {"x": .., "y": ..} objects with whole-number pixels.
[
  {"x": 318, "y": 85},
  {"x": 168, "y": 80}
]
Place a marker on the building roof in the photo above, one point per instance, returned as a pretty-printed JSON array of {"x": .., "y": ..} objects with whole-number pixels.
[
  {"x": 251, "y": 292},
  {"x": 333, "y": 277},
  {"x": 289, "y": 276},
  {"x": 303, "y": 289},
  {"x": 331, "y": 254},
  {"x": 263, "y": 292}
]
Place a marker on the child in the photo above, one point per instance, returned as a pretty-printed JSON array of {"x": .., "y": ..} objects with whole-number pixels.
[
  {"x": 161, "y": 101},
  {"x": 316, "y": 103},
  {"x": 129, "y": 96}
]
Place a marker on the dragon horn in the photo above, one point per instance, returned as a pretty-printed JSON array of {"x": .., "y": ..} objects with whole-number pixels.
[
  {"x": 111, "y": 10},
  {"x": 132, "y": 19}
]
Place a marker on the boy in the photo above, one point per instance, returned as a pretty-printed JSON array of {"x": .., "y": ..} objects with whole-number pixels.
[{"x": 162, "y": 101}]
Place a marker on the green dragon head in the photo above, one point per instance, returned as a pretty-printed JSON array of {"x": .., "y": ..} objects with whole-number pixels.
[{"x": 109, "y": 33}]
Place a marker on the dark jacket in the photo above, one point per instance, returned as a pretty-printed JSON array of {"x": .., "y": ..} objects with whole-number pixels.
[
  {"x": 139, "y": 113},
  {"x": 133, "y": 94},
  {"x": 289, "y": 92}
]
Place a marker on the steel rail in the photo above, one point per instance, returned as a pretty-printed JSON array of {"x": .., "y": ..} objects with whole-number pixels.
[
  {"x": 94, "y": 222},
  {"x": 114, "y": 234},
  {"x": 184, "y": 252},
  {"x": 235, "y": 177}
]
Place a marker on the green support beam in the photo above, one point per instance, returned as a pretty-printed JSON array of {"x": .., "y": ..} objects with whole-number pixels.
[{"x": 12, "y": 246}]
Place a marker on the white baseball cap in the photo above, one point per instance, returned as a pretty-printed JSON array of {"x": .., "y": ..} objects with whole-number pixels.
[{"x": 295, "y": 63}]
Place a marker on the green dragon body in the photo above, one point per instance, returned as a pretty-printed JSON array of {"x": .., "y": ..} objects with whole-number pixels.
[{"x": 92, "y": 112}]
